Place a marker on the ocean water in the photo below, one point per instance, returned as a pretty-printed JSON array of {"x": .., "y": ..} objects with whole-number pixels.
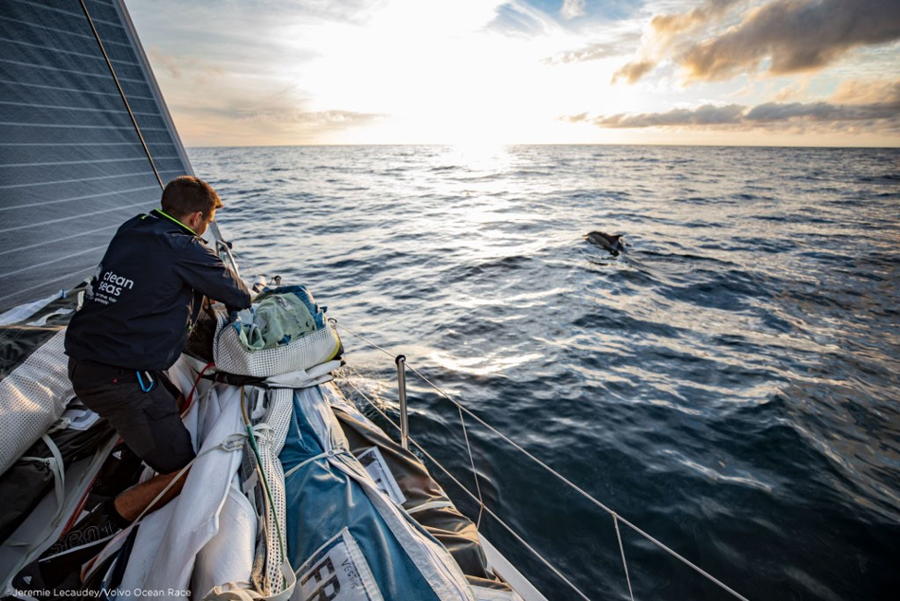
[{"x": 729, "y": 384}]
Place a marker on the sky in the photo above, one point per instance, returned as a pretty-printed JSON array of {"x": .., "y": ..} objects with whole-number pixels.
[{"x": 487, "y": 72}]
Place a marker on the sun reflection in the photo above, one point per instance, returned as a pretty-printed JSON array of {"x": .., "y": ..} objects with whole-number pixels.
[{"x": 480, "y": 155}]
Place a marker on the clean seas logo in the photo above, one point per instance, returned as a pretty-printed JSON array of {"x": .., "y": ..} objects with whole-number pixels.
[{"x": 112, "y": 284}]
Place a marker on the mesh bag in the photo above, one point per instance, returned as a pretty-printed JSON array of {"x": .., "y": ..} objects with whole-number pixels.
[{"x": 309, "y": 350}]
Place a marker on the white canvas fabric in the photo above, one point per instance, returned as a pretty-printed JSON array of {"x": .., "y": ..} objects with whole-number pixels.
[
  {"x": 195, "y": 513},
  {"x": 228, "y": 556},
  {"x": 32, "y": 397},
  {"x": 305, "y": 378}
]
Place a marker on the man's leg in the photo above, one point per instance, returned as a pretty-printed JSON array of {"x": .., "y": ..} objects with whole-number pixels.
[
  {"x": 131, "y": 502},
  {"x": 148, "y": 422}
]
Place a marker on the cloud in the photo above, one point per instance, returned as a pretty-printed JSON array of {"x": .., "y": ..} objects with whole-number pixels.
[
  {"x": 860, "y": 91},
  {"x": 793, "y": 35},
  {"x": 883, "y": 110},
  {"x": 598, "y": 50},
  {"x": 678, "y": 22},
  {"x": 176, "y": 67},
  {"x": 820, "y": 111},
  {"x": 572, "y": 9},
  {"x": 784, "y": 36},
  {"x": 707, "y": 114},
  {"x": 633, "y": 71}
]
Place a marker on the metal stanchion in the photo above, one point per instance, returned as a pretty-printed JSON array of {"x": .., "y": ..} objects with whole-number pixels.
[{"x": 400, "y": 360}]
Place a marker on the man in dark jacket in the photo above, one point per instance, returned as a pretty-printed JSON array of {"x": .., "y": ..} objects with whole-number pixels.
[{"x": 138, "y": 312}]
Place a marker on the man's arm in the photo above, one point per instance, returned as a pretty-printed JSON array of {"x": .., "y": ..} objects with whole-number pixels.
[{"x": 204, "y": 271}]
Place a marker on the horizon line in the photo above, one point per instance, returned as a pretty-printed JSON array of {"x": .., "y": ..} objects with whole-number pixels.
[{"x": 492, "y": 145}]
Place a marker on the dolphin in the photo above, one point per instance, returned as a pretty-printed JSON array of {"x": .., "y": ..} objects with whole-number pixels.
[{"x": 607, "y": 242}]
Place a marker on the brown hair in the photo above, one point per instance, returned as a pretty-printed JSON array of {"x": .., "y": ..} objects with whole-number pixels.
[{"x": 186, "y": 194}]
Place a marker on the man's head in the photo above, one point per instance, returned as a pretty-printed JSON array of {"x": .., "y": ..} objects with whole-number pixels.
[{"x": 192, "y": 201}]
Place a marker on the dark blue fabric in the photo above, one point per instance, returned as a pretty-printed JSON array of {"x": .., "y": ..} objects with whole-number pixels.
[
  {"x": 146, "y": 293},
  {"x": 321, "y": 500}
]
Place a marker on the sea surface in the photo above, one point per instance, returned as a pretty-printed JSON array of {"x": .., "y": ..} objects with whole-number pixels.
[{"x": 729, "y": 384}]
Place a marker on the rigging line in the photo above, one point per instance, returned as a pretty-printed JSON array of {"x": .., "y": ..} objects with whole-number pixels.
[
  {"x": 571, "y": 484},
  {"x": 372, "y": 403},
  {"x": 583, "y": 492},
  {"x": 622, "y": 553},
  {"x": 474, "y": 471},
  {"x": 334, "y": 322},
  {"x": 509, "y": 528},
  {"x": 521, "y": 540},
  {"x": 112, "y": 70}
]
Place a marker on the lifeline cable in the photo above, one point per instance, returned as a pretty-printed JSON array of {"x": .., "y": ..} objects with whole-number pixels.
[
  {"x": 462, "y": 487},
  {"x": 615, "y": 515},
  {"x": 115, "y": 77}
]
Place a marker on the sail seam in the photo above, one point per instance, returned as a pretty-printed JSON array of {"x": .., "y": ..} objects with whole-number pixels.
[
  {"x": 61, "y": 51},
  {"x": 83, "y": 179},
  {"x": 74, "y": 71},
  {"x": 79, "y": 216},
  {"x": 64, "y": 89},
  {"x": 90, "y": 162},
  {"x": 56, "y": 30},
  {"x": 67, "y": 276},
  {"x": 75, "y": 108},
  {"x": 65, "y": 12},
  {"x": 50, "y": 202},
  {"x": 52, "y": 261},
  {"x": 56, "y": 240}
]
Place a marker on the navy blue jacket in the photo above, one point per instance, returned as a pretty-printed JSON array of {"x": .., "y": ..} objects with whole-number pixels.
[{"x": 146, "y": 294}]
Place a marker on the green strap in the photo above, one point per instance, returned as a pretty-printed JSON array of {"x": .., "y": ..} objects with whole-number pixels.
[{"x": 167, "y": 216}]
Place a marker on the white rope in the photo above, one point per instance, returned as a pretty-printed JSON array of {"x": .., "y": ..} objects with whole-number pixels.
[
  {"x": 308, "y": 460},
  {"x": 564, "y": 479}
]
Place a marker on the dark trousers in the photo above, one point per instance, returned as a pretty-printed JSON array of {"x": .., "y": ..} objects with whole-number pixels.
[{"x": 148, "y": 422}]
